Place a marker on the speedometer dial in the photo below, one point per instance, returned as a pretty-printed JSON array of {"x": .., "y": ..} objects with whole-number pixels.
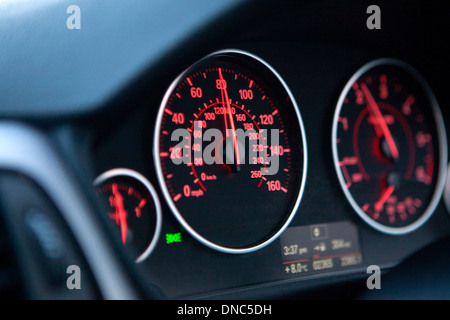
[
  {"x": 389, "y": 146},
  {"x": 230, "y": 152}
]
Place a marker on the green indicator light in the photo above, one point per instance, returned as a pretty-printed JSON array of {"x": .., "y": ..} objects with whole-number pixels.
[{"x": 173, "y": 237}]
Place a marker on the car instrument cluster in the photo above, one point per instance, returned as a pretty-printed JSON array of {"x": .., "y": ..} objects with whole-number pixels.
[{"x": 231, "y": 164}]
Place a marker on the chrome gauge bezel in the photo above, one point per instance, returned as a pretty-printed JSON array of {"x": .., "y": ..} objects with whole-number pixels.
[
  {"x": 442, "y": 142},
  {"x": 163, "y": 185},
  {"x": 120, "y": 172}
]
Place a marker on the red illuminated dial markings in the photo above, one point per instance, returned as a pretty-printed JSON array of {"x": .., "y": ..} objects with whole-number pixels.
[
  {"x": 363, "y": 120},
  {"x": 384, "y": 196},
  {"x": 228, "y": 118},
  {"x": 380, "y": 121},
  {"x": 116, "y": 200},
  {"x": 386, "y": 137},
  {"x": 221, "y": 95},
  {"x": 133, "y": 207},
  {"x": 224, "y": 93},
  {"x": 257, "y": 130}
]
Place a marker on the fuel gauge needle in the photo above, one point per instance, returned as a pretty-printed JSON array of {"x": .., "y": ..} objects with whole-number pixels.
[{"x": 120, "y": 214}]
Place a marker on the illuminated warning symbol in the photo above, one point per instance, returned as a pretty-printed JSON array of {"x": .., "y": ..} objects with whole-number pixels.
[
  {"x": 173, "y": 237},
  {"x": 316, "y": 232},
  {"x": 319, "y": 232}
]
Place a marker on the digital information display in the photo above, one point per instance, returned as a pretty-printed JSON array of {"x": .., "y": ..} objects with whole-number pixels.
[{"x": 320, "y": 249}]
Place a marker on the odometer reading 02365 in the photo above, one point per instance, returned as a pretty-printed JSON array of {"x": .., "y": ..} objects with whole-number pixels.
[
  {"x": 389, "y": 146},
  {"x": 230, "y": 152}
]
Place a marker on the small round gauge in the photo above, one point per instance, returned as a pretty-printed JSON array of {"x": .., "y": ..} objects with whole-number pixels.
[
  {"x": 134, "y": 207},
  {"x": 389, "y": 146},
  {"x": 230, "y": 152},
  {"x": 447, "y": 190}
]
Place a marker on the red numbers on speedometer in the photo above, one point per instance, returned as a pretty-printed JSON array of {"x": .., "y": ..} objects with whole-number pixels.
[{"x": 231, "y": 152}]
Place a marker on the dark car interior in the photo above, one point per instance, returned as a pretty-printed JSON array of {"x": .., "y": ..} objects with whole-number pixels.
[{"x": 94, "y": 206}]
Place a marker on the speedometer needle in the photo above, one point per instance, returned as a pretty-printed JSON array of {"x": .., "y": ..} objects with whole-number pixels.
[
  {"x": 379, "y": 119},
  {"x": 228, "y": 108}
]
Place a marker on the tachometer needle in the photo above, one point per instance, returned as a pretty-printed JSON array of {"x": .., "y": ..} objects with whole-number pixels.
[
  {"x": 379, "y": 119},
  {"x": 228, "y": 108},
  {"x": 384, "y": 197}
]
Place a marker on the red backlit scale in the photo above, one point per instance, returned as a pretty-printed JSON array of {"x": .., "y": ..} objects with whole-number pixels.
[
  {"x": 116, "y": 202},
  {"x": 389, "y": 146},
  {"x": 230, "y": 152},
  {"x": 133, "y": 206}
]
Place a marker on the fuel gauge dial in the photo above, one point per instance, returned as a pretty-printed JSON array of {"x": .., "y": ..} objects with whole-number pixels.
[{"x": 133, "y": 207}]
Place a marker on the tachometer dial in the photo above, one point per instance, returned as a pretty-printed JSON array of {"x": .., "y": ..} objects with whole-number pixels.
[
  {"x": 134, "y": 208},
  {"x": 230, "y": 152},
  {"x": 389, "y": 146}
]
